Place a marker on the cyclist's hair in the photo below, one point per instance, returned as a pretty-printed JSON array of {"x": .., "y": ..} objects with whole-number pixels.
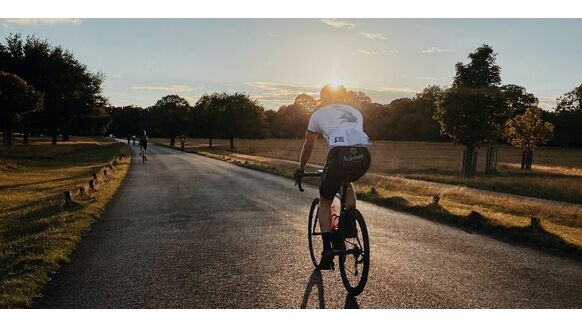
[
  {"x": 333, "y": 95},
  {"x": 145, "y": 133}
]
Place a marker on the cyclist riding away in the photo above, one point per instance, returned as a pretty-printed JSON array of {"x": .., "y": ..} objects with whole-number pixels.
[
  {"x": 143, "y": 144},
  {"x": 348, "y": 159}
]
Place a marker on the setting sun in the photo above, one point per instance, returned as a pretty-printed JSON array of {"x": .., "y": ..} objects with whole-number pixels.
[{"x": 336, "y": 81}]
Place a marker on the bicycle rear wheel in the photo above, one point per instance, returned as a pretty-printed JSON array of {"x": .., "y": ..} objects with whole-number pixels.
[
  {"x": 314, "y": 234},
  {"x": 355, "y": 264}
]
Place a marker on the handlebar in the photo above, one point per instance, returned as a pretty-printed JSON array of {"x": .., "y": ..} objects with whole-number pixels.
[{"x": 309, "y": 174}]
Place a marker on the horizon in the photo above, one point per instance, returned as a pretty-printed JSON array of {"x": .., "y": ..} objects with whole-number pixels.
[{"x": 277, "y": 59}]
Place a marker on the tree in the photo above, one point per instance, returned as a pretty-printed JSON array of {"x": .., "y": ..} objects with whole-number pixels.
[
  {"x": 241, "y": 117},
  {"x": 17, "y": 99},
  {"x": 526, "y": 131},
  {"x": 72, "y": 94},
  {"x": 305, "y": 103},
  {"x": 518, "y": 99},
  {"x": 473, "y": 110},
  {"x": 571, "y": 101},
  {"x": 568, "y": 118},
  {"x": 169, "y": 117}
]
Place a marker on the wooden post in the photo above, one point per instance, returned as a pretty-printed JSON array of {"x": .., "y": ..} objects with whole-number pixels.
[
  {"x": 536, "y": 224},
  {"x": 105, "y": 172},
  {"x": 82, "y": 191},
  {"x": 95, "y": 176},
  {"x": 68, "y": 199},
  {"x": 92, "y": 184}
]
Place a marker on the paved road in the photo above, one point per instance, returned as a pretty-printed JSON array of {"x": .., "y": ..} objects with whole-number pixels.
[{"x": 186, "y": 231}]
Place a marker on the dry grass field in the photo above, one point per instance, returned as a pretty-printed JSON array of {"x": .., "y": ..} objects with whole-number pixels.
[
  {"x": 37, "y": 232},
  {"x": 558, "y": 176}
]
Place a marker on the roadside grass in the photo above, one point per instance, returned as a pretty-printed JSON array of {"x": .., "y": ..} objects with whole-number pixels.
[
  {"x": 556, "y": 173},
  {"x": 37, "y": 232},
  {"x": 481, "y": 211}
]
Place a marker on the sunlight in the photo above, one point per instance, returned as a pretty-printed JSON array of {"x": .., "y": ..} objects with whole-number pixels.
[{"x": 335, "y": 81}]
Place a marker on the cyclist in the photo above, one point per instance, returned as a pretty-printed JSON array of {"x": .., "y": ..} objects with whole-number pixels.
[
  {"x": 348, "y": 159},
  {"x": 143, "y": 144}
]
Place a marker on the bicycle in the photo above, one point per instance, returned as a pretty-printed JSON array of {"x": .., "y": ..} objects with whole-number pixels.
[{"x": 354, "y": 250}]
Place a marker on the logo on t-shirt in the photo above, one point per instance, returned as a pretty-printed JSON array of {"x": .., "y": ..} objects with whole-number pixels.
[
  {"x": 346, "y": 117},
  {"x": 338, "y": 139}
]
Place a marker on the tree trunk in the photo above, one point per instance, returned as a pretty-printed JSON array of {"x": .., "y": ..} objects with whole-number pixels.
[
  {"x": 172, "y": 142},
  {"x": 7, "y": 138},
  {"x": 26, "y": 133},
  {"x": 491, "y": 160},
  {"x": 210, "y": 142},
  {"x": 231, "y": 143},
  {"x": 469, "y": 162},
  {"x": 66, "y": 136},
  {"x": 526, "y": 159},
  {"x": 55, "y": 135}
]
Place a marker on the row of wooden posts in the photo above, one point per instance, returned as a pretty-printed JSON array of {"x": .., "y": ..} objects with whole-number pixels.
[{"x": 81, "y": 191}]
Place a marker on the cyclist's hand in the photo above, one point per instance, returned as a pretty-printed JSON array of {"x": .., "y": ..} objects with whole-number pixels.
[{"x": 297, "y": 174}]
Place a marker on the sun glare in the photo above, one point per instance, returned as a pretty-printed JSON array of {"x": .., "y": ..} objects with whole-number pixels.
[{"x": 335, "y": 81}]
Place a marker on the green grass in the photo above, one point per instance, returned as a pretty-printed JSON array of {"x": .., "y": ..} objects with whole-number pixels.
[{"x": 38, "y": 233}]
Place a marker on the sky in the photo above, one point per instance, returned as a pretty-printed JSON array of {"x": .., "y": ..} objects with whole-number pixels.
[{"x": 273, "y": 60}]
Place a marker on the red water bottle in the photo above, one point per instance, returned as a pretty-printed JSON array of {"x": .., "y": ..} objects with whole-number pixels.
[{"x": 334, "y": 218}]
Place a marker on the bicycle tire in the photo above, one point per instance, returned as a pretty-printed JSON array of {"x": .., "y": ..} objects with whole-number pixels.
[
  {"x": 356, "y": 288},
  {"x": 313, "y": 227}
]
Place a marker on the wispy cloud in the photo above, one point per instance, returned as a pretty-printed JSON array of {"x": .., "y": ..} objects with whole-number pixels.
[
  {"x": 281, "y": 94},
  {"x": 367, "y": 52},
  {"x": 339, "y": 23},
  {"x": 167, "y": 88},
  {"x": 547, "y": 103},
  {"x": 273, "y": 35},
  {"x": 40, "y": 21},
  {"x": 432, "y": 50},
  {"x": 426, "y": 78},
  {"x": 373, "y": 36}
]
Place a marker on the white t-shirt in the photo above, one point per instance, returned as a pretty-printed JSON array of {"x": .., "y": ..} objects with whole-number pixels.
[{"x": 340, "y": 124}]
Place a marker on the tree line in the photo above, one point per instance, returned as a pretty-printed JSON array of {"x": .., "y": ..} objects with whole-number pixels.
[{"x": 45, "y": 90}]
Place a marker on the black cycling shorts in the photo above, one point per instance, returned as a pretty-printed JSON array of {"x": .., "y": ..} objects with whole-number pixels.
[{"x": 343, "y": 164}]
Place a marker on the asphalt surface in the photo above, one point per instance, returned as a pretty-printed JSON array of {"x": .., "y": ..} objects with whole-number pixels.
[{"x": 186, "y": 231}]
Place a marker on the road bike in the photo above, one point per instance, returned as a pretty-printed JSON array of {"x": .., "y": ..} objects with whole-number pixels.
[{"x": 354, "y": 250}]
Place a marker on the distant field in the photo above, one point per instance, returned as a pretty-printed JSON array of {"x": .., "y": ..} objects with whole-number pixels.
[
  {"x": 556, "y": 174},
  {"x": 36, "y": 231}
]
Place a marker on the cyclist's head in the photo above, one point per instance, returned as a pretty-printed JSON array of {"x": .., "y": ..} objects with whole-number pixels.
[
  {"x": 333, "y": 95},
  {"x": 145, "y": 133}
]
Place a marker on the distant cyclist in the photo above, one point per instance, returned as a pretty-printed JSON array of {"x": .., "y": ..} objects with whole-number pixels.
[
  {"x": 348, "y": 158},
  {"x": 143, "y": 145}
]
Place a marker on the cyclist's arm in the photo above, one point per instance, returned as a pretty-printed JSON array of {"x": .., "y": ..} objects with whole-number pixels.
[{"x": 308, "y": 145}]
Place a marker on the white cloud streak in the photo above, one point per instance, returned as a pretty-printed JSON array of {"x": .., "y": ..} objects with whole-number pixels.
[
  {"x": 166, "y": 88},
  {"x": 40, "y": 21},
  {"x": 432, "y": 50},
  {"x": 373, "y": 36},
  {"x": 339, "y": 23},
  {"x": 367, "y": 52}
]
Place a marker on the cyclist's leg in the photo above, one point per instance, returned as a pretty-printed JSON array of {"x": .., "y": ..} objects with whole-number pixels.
[{"x": 350, "y": 196}]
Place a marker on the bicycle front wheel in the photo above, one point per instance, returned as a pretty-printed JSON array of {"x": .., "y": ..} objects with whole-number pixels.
[
  {"x": 355, "y": 263},
  {"x": 314, "y": 234}
]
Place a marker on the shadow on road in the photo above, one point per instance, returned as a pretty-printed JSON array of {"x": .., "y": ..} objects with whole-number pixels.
[
  {"x": 314, "y": 280},
  {"x": 351, "y": 302}
]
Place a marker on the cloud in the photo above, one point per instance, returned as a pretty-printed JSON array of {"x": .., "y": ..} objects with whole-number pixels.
[
  {"x": 281, "y": 94},
  {"x": 339, "y": 23},
  {"x": 432, "y": 50},
  {"x": 166, "y": 88},
  {"x": 367, "y": 52},
  {"x": 373, "y": 36},
  {"x": 40, "y": 21},
  {"x": 547, "y": 103},
  {"x": 273, "y": 35},
  {"x": 426, "y": 78}
]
